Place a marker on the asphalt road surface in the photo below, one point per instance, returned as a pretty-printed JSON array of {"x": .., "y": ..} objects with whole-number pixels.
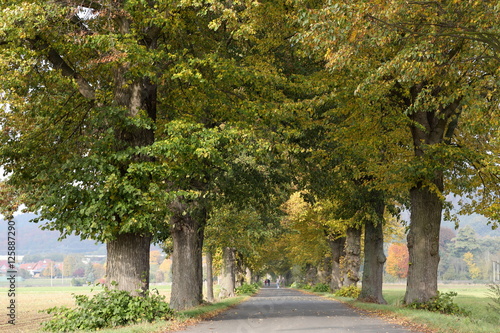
[{"x": 287, "y": 310}]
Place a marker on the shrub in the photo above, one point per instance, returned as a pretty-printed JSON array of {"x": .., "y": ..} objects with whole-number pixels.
[
  {"x": 247, "y": 289},
  {"x": 351, "y": 291},
  {"x": 77, "y": 282},
  {"x": 321, "y": 288},
  {"x": 494, "y": 295},
  {"x": 298, "y": 285},
  {"x": 109, "y": 308},
  {"x": 443, "y": 303}
]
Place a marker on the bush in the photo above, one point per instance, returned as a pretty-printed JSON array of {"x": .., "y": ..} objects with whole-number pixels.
[
  {"x": 301, "y": 285},
  {"x": 247, "y": 289},
  {"x": 77, "y": 282},
  {"x": 494, "y": 295},
  {"x": 109, "y": 308},
  {"x": 351, "y": 291},
  {"x": 321, "y": 288},
  {"x": 443, "y": 303}
]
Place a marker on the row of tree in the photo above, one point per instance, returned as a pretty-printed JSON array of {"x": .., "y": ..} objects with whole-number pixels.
[{"x": 139, "y": 121}]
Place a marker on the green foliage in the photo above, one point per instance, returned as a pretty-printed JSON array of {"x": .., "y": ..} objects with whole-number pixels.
[
  {"x": 351, "y": 291},
  {"x": 247, "y": 289},
  {"x": 321, "y": 288},
  {"x": 494, "y": 295},
  {"x": 77, "y": 282},
  {"x": 109, "y": 308},
  {"x": 301, "y": 285},
  {"x": 443, "y": 303}
]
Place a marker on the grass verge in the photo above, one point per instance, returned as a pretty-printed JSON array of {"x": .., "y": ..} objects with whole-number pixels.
[
  {"x": 472, "y": 298},
  {"x": 183, "y": 318}
]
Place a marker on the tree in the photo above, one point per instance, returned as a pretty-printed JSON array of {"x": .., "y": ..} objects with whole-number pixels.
[
  {"x": 307, "y": 238},
  {"x": 99, "y": 270},
  {"x": 155, "y": 257},
  {"x": 428, "y": 85},
  {"x": 446, "y": 236},
  {"x": 79, "y": 272},
  {"x": 71, "y": 263},
  {"x": 465, "y": 242},
  {"x": 84, "y": 105},
  {"x": 397, "y": 260},
  {"x": 474, "y": 271},
  {"x": 102, "y": 84},
  {"x": 51, "y": 270},
  {"x": 90, "y": 273},
  {"x": 165, "y": 266}
]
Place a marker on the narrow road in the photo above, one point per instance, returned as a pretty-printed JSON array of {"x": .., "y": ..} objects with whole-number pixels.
[{"x": 287, "y": 310}]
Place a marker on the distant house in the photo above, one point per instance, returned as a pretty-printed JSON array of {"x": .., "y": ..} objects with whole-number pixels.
[
  {"x": 4, "y": 266},
  {"x": 36, "y": 268}
]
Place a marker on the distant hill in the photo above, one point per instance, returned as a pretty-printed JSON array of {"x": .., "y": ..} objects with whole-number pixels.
[
  {"x": 477, "y": 222},
  {"x": 30, "y": 239}
]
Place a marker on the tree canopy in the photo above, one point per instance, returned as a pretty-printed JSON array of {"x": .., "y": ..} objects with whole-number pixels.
[{"x": 135, "y": 121}]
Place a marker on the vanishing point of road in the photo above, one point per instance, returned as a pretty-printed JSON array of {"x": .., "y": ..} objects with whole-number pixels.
[{"x": 288, "y": 310}]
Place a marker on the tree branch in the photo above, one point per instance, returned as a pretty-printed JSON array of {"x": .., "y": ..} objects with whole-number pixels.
[
  {"x": 59, "y": 63},
  {"x": 488, "y": 38}
]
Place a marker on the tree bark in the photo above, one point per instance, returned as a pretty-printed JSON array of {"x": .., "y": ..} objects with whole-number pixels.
[
  {"x": 423, "y": 245},
  {"x": 210, "y": 276},
  {"x": 228, "y": 282},
  {"x": 187, "y": 269},
  {"x": 428, "y": 128},
  {"x": 352, "y": 260},
  {"x": 373, "y": 272},
  {"x": 337, "y": 247},
  {"x": 128, "y": 263},
  {"x": 249, "y": 276}
]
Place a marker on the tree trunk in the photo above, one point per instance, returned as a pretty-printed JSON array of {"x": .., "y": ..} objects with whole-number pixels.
[
  {"x": 337, "y": 247},
  {"x": 210, "y": 277},
  {"x": 249, "y": 276},
  {"x": 423, "y": 245},
  {"x": 228, "y": 272},
  {"x": 128, "y": 254},
  {"x": 428, "y": 128},
  {"x": 127, "y": 263},
  {"x": 187, "y": 269},
  {"x": 373, "y": 272},
  {"x": 352, "y": 260}
]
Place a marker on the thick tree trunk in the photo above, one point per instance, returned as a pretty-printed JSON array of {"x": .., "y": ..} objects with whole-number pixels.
[
  {"x": 248, "y": 276},
  {"x": 373, "y": 272},
  {"x": 352, "y": 259},
  {"x": 187, "y": 269},
  {"x": 337, "y": 247},
  {"x": 323, "y": 270},
  {"x": 210, "y": 276},
  {"x": 228, "y": 282},
  {"x": 128, "y": 254},
  {"x": 423, "y": 245},
  {"x": 128, "y": 263},
  {"x": 428, "y": 128},
  {"x": 311, "y": 274}
]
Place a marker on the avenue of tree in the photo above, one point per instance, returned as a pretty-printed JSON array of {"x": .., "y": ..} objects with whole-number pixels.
[{"x": 246, "y": 129}]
